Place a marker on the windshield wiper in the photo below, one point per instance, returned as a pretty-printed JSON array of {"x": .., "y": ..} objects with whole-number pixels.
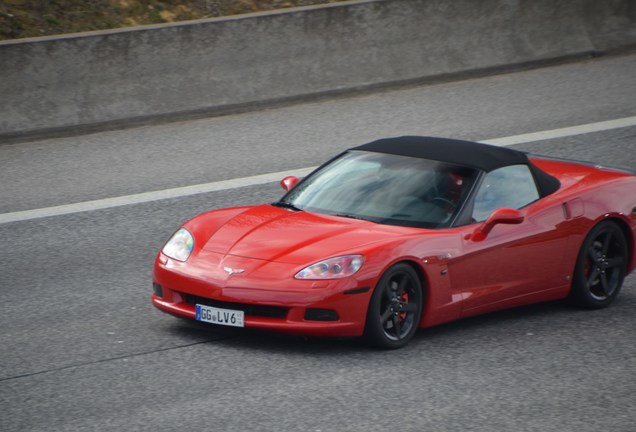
[
  {"x": 351, "y": 216},
  {"x": 286, "y": 205}
]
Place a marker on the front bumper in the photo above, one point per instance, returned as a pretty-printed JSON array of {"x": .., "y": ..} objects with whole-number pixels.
[{"x": 269, "y": 301}]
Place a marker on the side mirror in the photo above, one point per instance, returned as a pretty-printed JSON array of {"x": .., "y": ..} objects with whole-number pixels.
[
  {"x": 500, "y": 216},
  {"x": 289, "y": 182}
]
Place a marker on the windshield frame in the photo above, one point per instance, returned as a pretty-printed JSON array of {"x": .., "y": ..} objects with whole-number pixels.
[{"x": 471, "y": 178}]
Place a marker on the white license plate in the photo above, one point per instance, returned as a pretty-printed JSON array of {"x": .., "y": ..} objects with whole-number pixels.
[{"x": 220, "y": 316}]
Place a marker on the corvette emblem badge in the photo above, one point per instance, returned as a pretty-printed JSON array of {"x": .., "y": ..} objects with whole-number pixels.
[{"x": 232, "y": 271}]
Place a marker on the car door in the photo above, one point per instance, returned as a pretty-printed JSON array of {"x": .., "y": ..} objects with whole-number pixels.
[{"x": 514, "y": 263}]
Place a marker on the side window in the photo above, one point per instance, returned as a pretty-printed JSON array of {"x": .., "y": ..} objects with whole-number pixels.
[{"x": 511, "y": 187}]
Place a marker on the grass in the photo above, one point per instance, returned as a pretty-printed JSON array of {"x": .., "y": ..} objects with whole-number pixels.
[{"x": 30, "y": 18}]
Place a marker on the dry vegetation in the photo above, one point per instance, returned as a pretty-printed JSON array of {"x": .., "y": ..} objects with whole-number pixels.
[{"x": 29, "y": 18}]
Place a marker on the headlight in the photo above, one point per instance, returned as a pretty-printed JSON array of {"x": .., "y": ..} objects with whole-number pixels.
[
  {"x": 332, "y": 268},
  {"x": 180, "y": 245}
]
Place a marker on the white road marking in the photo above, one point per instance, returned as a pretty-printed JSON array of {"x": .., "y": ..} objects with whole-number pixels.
[
  {"x": 105, "y": 203},
  {"x": 276, "y": 176},
  {"x": 563, "y": 132}
]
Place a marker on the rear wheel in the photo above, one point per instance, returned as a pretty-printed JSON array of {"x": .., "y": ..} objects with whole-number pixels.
[
  {"x": 395, "y": 308},
  {"x": 600, "y": 268}
]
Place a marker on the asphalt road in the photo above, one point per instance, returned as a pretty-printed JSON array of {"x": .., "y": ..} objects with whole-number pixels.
[{"x": 81, "y": 347}]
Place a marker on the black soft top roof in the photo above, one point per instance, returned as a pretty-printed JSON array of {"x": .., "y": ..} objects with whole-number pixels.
[
  {"x": 463, "y": 153},
  {"x": 470, "y": 154}
]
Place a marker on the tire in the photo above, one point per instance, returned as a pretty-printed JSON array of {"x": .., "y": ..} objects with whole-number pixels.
[
  {"x": 395, "y": 308},
  {"x": 600, "y": 267}
]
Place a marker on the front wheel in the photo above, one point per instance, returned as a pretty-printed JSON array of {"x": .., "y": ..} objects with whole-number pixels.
[
  {"x": 395, "y": 308},
  {"x": 600, "y": 268}
]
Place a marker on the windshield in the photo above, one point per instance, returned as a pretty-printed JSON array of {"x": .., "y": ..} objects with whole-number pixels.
[{"x": 385, "y": 188}]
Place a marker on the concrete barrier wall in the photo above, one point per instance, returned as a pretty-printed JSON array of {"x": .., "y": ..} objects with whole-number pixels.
[{"x": 91, "y": 80}]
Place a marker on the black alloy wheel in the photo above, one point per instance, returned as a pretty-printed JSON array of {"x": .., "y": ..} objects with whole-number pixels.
[
  {"x": 395, "y": 308},
  {"x": 600, "y": 268}
]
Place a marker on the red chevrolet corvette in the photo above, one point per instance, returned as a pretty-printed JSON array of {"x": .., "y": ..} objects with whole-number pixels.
[{"x": 404, "y": 233}]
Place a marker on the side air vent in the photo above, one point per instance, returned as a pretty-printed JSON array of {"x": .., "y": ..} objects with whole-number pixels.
[
  {"x": 157, "y": 289},
  {"x": 312, "y": 314}
]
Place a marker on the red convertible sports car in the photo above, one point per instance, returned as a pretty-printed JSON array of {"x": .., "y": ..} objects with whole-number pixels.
[{"x": 404, "y": 233}]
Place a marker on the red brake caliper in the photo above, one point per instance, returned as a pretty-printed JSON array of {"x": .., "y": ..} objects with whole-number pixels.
[{"x": 405, "y": 300}]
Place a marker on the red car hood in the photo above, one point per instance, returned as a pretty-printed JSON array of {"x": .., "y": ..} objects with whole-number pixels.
[{"x": 274, "y": 234}]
